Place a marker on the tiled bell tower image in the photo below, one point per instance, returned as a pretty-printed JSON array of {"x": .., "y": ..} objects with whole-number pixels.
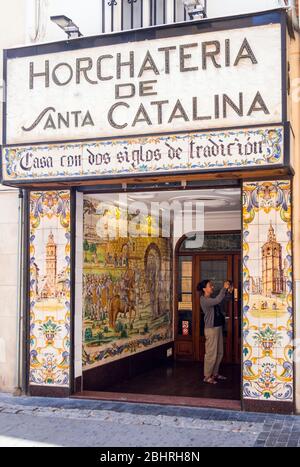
[
  {"x": 51, "y": 261},
  {"x": 272, "y": 271},
  {"x": 49, "y": 290}
]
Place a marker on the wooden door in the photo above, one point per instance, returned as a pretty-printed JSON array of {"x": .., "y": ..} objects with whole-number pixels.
[
  {"x": 192, "y": 269},
  {"x": 218, "y": 268}
]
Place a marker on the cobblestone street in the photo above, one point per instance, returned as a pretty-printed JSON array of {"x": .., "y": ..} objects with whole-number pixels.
[{"x": 28, "y": 421}]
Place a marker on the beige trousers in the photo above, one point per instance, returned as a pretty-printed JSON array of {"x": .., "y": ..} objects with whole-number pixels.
[{"x": 214, "y": 350}]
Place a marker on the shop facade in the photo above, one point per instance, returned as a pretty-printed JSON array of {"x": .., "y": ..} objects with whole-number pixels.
[{"x": 169, "y": 113}]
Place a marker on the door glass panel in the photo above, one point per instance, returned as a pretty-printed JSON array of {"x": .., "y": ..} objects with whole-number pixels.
[
  {"x": 212, "y": 242},
  {"x": 216, "y": 271},
  {"x": 185, "y": 296}
]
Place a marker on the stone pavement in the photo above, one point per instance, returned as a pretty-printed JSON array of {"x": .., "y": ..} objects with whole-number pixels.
[{"x": 26, "y": 421}]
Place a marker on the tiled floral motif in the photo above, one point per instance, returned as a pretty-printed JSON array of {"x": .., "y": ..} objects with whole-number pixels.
[
  {"x": 49, "y": 288},
  {"x": 126, "y": 287},
  {"x": 267, "y": 291}
]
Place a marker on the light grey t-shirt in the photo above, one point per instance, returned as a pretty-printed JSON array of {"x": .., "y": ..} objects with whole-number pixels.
[{"x": 207, "y": 305}]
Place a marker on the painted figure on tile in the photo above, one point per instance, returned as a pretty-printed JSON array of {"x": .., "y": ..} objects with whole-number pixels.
[
  {"x": 127, "y": 307},
  {"x": 153, "y": 271}
]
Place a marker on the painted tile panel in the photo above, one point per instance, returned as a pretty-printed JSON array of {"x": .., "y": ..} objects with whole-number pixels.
[
  {"x": 49, "y": 288},
  {"x": 267, "y": 291},
  {"x": 127, "y": 284},
  {"x": 190, "y": 152}
]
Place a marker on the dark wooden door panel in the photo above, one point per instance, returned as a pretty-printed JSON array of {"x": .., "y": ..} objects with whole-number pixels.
[{"x": 218, "y": 267}]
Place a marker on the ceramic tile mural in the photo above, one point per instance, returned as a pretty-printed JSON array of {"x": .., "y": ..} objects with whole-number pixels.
[
  {"x": 171, "y": 153},
  {"x": 49, "y": 288},
  {"x": 267, "y": 291},
  {"x": 126, "y": 288}
]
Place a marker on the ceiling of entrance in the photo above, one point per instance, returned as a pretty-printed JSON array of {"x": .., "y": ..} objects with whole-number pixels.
[{"x": 215, "y": 200}]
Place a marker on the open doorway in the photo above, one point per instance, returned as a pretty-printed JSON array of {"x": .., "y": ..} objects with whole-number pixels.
[
  {"x": 218, "y": 260},
  {"x": 142, "y": 331}
]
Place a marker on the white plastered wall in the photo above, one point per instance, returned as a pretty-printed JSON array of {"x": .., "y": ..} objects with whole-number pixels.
[
  {"x": 9, "y": 217},
  {"x": 12, "y": 32}
]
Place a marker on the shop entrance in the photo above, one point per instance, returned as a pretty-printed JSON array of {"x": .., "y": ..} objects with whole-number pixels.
[
  {"x": 215, "y": 257},
  {"x": 143, "y": 333}
]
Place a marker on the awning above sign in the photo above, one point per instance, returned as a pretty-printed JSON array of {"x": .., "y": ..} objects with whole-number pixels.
[
  {"x": 197, "y": 80},
  {"x": 190, "y": 152}
]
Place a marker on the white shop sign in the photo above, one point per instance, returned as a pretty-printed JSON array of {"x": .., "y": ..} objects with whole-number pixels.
[
  {"x": 192, "y": 152},
  {"x": 209, "y": 80}
]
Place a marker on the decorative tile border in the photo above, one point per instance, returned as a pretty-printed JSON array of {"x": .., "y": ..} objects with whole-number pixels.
[
  {"x": 267, "y": 291},
  {"x": 178, "y": 152},
  {"x": 50, "y": 288}
]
